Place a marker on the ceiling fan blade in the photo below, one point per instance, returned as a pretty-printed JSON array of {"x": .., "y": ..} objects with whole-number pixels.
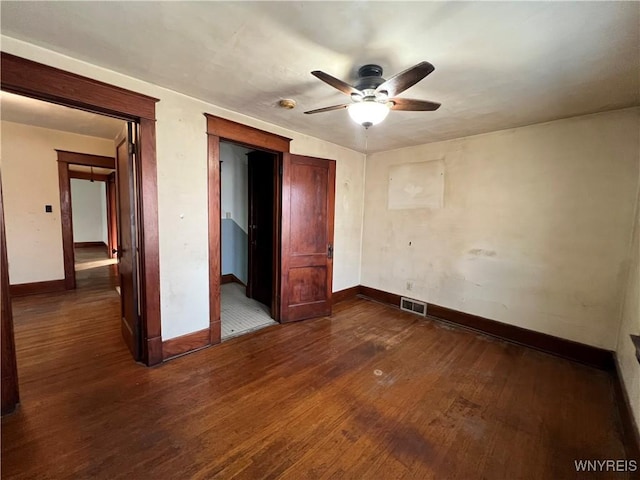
[
  {"x": 400, "y": 82},
  {"x": 344, "y": 87},
  {"x": 328, "y": 109},
  {"x": 412, "y": 105}
]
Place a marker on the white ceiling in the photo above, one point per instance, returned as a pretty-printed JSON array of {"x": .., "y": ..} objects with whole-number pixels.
[
  {"x": 498, "y": 64},
  {"x": 18, "y": 109}
]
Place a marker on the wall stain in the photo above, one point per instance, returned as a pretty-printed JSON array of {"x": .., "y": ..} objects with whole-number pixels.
[{"x": 482, "y": 252}]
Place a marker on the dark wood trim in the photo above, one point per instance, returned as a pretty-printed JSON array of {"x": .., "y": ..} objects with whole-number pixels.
[
  {"x": 86, "y": 159},
  {"x": 89, "y": 244},
  {"x": 579, "y": 352},
  {"x": 277, "y": 236},
  {"x": 346, "y": 294},
  {"x": 66, "y": 218},
  {"x": 34, "y": 288},
  {"x": 215, "y": 253},
  {"x": 9, "y": 379},
  {"x": 230, "y": 278},
  {"x": 185, "y": 344},
  {"x": 149, "y": 240},
  {"x": 380, "y": 296},
  {"x": 245, "y": 135},
  {"x": 92, "y": 177},
  {"x": 43, "y": 82},
  {"x": 629, "y": 427},
  {"x": 32, "y": 79}
]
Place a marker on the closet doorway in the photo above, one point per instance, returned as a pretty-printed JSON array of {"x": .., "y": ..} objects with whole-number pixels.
[
  {"x": 248, "y": 182},
  {"x": 304, "y": 193}
]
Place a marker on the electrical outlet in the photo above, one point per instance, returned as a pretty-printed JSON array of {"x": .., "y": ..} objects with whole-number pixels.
[
  {"x": 409, "y": 286},
  {"x": 228, "y": 214}
]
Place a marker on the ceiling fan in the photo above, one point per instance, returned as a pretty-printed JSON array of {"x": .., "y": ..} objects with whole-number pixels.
[{"x": 372, "y": 97}]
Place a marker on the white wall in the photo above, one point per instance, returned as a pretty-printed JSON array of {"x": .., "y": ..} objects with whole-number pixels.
[
  {"x": 234, "y": 202},
  {"x": 29, "y": 182},
  {"x": 89, "y": 211},
  {"x": 182, "y": 191},
  {"x": 630, "y": 323},
  {"x": 234, "y": 180},
  {"x": 534, "y": 229}
]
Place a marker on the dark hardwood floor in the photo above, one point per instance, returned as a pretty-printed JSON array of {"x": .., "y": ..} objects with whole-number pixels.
[{"x": 371, "y": 393}]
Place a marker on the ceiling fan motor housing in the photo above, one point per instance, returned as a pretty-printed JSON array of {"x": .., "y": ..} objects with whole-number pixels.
[{"x": 369, "y": 77}]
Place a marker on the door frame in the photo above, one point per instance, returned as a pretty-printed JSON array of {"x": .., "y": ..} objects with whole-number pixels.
[
  {"x": 28, "y": 78},
  {"x": 66, "y": 158},
  {"x": 219, "y": 129}
]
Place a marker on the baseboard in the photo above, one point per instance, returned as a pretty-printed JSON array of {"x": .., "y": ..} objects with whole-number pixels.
[
  {"x": 230, "y": 278},
  {"x": 34, "y": 288},
  {"x": 185, "y": 344},
  {"x": 380, "y": 296},
  {"x": 346, "y": 294},
  {"x": 630, "y": 432},
  {"x": 89, "y": 244},
  {"x": 579, "y": 352}
]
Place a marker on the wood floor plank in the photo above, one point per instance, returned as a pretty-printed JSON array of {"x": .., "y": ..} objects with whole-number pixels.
[{"x": 370, "y": 393}]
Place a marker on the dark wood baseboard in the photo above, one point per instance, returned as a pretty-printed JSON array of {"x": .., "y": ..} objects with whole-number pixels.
[
  {"x": 89, "y": 244},
  {"x": 230, "y": 278},
  {"x": 380, "y": 296},
  {"x": 630, "y": 432},
  {"x": 579, "y": 352},
  {"x": 185, "y": 344},
  {"x": 346, "y": 294},
  {"x": 33, "y": 288}
]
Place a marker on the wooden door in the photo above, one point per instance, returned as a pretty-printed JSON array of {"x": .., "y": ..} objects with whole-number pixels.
[
  {"x": 9, "y": 380},
  {"x": 127, "y": 250},
  {"x": 308, "y": 199},
  {"x": 112, "y": 216},
  {"x": 261, "y": 169}
]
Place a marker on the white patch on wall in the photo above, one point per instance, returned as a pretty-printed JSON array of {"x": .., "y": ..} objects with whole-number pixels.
[{"x": 416, "y": 185}]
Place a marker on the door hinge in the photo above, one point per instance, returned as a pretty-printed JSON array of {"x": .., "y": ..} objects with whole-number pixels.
[
  {"x": 131, "y": 148},
  {"x": 281, "y": 169},
  {"x": 330, "y": 251}
]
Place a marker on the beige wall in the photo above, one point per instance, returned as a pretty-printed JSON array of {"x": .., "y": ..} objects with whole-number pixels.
[
  {"x": 534, "y": 229},
  {"x": 182, "y": 191},
  {"x": 630, "y": 323},
  {"x": 29, "y": 182}
]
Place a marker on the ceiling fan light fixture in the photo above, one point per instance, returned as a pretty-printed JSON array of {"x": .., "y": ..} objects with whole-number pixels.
[{"x": 369, "y": 113}]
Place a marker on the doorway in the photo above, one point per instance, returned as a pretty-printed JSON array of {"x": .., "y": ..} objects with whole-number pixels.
[
  {"x": 248, "y": 225},
  {"x": 304, "y": 189},
  {"x": 31, "y": 79}
]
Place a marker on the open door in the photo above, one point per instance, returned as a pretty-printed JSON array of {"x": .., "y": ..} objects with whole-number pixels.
[
  {"x": 308, "y": 200},
  {"x": 262, "y": 181},
  {"x": 127, "y": 250},
  {"x": 9, "y": 380},
  {"x": 112, "y": 216}
]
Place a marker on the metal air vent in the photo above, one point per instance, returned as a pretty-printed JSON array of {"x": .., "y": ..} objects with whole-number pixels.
[{"x": 413, "y": 306}]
